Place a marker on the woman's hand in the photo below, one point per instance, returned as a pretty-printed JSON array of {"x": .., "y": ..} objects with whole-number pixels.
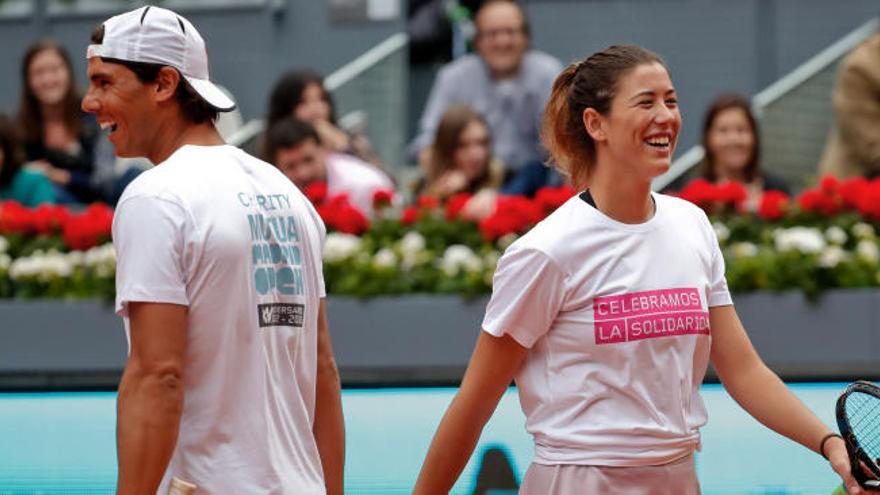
[
  {"x": 331, "y": 137},
  {"x": 56, "y": 175},
  {"x": 450, "y": 183},
  {"x": 481, "y": 205},
  {"x": 835, "y": 449}
]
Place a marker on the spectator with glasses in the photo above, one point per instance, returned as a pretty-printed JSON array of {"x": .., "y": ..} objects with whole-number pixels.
[{"x": 506, "y": 81}]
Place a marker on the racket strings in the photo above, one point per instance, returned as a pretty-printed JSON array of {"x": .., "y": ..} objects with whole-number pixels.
[{"x": 863, "y": 411}]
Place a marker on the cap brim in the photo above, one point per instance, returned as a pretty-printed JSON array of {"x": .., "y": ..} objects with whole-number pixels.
[{"x": 212, "y": 94}]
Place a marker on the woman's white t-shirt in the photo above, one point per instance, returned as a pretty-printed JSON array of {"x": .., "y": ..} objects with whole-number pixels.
[
  {"x": 616, "y": 320},
  {"x": 230, "y": 237}
]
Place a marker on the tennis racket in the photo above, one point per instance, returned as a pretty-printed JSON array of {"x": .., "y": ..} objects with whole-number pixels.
[{"x": 858, "y": 417}]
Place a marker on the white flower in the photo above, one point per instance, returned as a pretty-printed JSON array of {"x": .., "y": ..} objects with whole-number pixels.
[
  {"x": 868, "y": 251},
  {"x": 459, "y": 257},
  {"x": 804, "y": 239},
  {"x": 41, "y": 266},
  {"x": 412, "y": 243},
  {"x": 836, "y": 235},
  {"x": 863, "y": 230},
  {"x": 385, "y": 258},
  {"x": 506, "y": 240},
  {"x": 490, "y": 262},
  {"x": 102, "y": 259},
  {"x": 832, "y": 256},
  {"x": 491, "y": 258},
  {"x": 76, "y": 258},
  {"x": 721, "y": 232},
  {"x": 744, "y": 249},
  {"x": 412, "y": 250},
  {"x": 338, "y": 246},
  {"x": 4, "y": 244}
]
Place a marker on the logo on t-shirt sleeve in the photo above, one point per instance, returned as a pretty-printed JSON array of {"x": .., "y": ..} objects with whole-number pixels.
[
  {"x": 281, "y": 315},
  {"x": 648, "y": 315}
]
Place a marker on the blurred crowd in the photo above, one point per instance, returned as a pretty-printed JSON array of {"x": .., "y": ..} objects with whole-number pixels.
[{"x": 479, "y": 133}]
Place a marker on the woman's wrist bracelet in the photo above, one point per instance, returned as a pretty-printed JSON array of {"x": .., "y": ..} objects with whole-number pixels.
[{"x": 824, "y": 440}]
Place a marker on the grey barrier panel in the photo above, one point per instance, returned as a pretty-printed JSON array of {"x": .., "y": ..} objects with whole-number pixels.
[
  {"x": 837, "y": 336},
  {"x": 417, "y": 338},
  {"x": 422, "y": 339},
  {"x": 50, "y": 336}
]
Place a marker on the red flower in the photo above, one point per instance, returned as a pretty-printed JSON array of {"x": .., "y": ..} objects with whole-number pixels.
[
  {"x": 731, "y": 193},
  {"x": 382, "y": 198},
  {"x": 350, "y": 220},
  {"x": 89, "y": 228},
  {"x": 851, "y": 190},
  {"x": 455, "y": 204},
  {"x": 15, "y": 218},
  {"x": 699, "y": 192},
  {"x": 50, "y": 218},
  {"x": 550, "y": 198},
  {"x": 773, "y": 205},
  {"x": 513, "y": 214},
  {"x": 428, "y": 202},
  {"x": 868, "y": 202},
  {"x": 816, "y": 201},
  {"x": 410, "y": 215},
  {"x": 828, "y": 184},
  {"x": 338, "y": 214},
  {"x": 496, "y": 226},
  {"x": 316, "y": 192}
]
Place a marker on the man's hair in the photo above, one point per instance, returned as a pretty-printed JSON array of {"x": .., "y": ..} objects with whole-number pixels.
[
  {"x": 287, "y": 133},
  {"x": 193, "y": 107}
]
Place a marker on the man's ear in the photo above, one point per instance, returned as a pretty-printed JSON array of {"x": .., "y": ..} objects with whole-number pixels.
[
  {"x": 166, "y": 84},
  {"x": 594, "y": 124}
]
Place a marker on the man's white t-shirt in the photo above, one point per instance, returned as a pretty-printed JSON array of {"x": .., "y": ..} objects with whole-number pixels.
[
  {"x": 358, "y": 179},
  {"x": 616, "y": 320},
  {"x": 229, "y": 236}
]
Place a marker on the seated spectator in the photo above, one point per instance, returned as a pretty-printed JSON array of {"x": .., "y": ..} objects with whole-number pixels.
[
  {"x": 732, "y": 144},
  {"x": 505, "y": 81},
  {"x": 853, "y": 146},
  {"x": 58, "y": 136},
  {"x": 295, "y": 147},
  {"x": 300, "y": 94},
  {"x": 16, "y": 183},
  {"x": 460, "y": 161}
]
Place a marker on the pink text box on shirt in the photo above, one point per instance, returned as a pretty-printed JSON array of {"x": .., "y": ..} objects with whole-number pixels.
[
  {"x": 652, "y": 326},
  {"x": 647, "y": 302}
]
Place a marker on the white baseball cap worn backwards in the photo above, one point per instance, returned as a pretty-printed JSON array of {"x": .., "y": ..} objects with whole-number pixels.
[{"x": 155, "y": 35}]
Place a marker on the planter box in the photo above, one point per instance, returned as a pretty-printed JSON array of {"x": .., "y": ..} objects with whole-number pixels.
[
  {"x": 427, "y": 340},
  {"x": 838, "y": 337}
]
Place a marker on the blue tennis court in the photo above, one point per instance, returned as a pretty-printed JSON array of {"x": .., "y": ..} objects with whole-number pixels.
[{"x": 64, "y": 443}]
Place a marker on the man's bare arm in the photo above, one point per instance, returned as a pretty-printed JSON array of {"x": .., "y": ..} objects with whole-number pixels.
[
  {"x": 150, "y": 395},
  {"x": 329, "y": 428}
]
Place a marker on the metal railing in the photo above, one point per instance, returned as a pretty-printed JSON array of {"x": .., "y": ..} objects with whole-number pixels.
[{"x": 369, "y": 92}]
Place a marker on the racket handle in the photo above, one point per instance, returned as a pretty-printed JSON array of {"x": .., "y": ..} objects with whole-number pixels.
[
  {"x": 840, "y": 490},
  {"x": 180, "y": 487}
]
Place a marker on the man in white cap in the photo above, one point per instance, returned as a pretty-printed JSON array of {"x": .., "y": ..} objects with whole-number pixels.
[{"x": 230, "y": 383}]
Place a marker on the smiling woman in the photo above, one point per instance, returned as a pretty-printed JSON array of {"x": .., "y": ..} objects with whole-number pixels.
[
  {"x": 59, "y": 140},
  {"x": 733, "y": 148},
  {"x": 622, "y": 412}
]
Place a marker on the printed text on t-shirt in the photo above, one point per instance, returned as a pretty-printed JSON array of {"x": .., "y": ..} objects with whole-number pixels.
[
  {"x": 275, "y": 245},
  {"x": 648, "y": 315}
]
